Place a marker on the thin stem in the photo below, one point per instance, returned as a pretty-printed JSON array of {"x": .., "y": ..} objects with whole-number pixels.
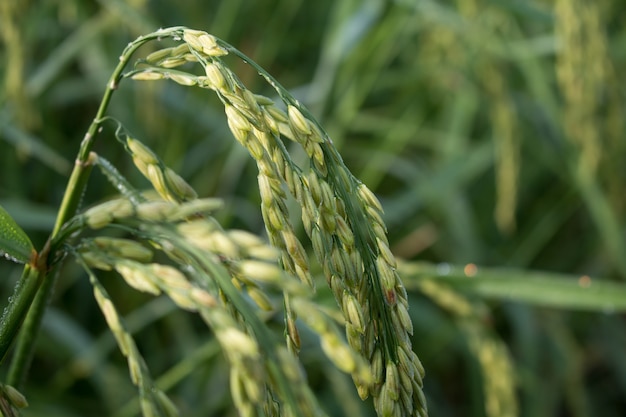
[
  {"x": 84, "y": 162},
  {"x": 77, "y": 182},
  {"x": 15, "y": 312},
  {"x": 25, "y": 343}
]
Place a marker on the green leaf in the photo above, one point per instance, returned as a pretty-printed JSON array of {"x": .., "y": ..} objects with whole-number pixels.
[
  {"x": 14, "y": 242},
  {"x": 533, "y": 287}
]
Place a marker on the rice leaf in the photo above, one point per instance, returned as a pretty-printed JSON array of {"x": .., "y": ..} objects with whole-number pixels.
[{"x": 14, "y": 242}]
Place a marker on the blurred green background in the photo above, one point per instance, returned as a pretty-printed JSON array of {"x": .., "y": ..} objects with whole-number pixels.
[{"x": 492, "y": 131}]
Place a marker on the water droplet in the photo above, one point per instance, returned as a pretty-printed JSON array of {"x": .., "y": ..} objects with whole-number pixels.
[{"x": 10, "y": 258}]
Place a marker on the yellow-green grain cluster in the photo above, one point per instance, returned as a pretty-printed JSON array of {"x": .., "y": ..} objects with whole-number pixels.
[
  {"x": 153, "y": 401},
  {"x": 342, "y": 218},
  {"x": 166, "y": 182},
  {"x": 237, "y": 262}
]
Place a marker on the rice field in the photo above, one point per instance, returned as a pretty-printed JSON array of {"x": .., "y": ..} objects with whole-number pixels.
[{"x": 466, "y": 156}]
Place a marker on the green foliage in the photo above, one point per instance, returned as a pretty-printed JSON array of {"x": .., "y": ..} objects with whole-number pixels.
[
  {"x": 14, "y": 242},
  {"x": 492, "y": 132}
]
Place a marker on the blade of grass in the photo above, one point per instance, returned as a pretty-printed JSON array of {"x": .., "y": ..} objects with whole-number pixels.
[{"x": 545, "y": 289}]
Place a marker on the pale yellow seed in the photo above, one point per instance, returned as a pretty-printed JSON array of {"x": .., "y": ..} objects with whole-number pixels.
[
  {"x": 239, "y": 342},
  {"x": 277, "y": 114},
  {"x": 337, "y": 261},
  {"x": 341, "y": 355},
  {"x": 316, "y": 135},
  {"x": 250, "y": 100},
  {"x": 385, "y": 252},
  {"x": 179, "y": 186},
  {"x": 376, "y": 366},
  {"x": 405, "y": 318},
  {"x": 327, "y": 220},
  {"x": 386, "y": 274},
  {"x": 111, "y": 317},
  {"x": 196, "y": 230},
  {"x": 405, "y": 381},
  {"x": 98, "y": 218},
  {"x": 318, "y": 242},
  {"x": 214, "y": 76},
  {"x": 404, "y": 362},
  {"x": 134, "y": 368},
  {"x": 375, "y": 215},
  {"x": 191, "y": 37},
  {"x": 141, "y": 166},
  {"x": 352, "y": 311},
  {"x": 156, "y": 177},
  {"x": 266, "y": 141},
  {"x": 260, "y": 271},
  {"x": 237, "y": 118},
  {"x": 292, "y": 331},
  {"x": 210, "y": 46},
  {"x": 181, "y": 49},
  {"x": 155, "y": 210},
  {"x": 198, "y": 206},
  {"x": 318, "y": 159},
  {"x": 264, "y": 252},
  {"x": 183, "y": 300},
  {"x": 141, "y": 151},
  {"x": 418, "y": 364},
  {"x": 406, "y": 398},
  {"x": 148, "y": 76},
  {"x": 202, "y": 297},
  {"x": 298, "y": 121},
  {"x": 102, "y": 214},
  {"x": 354, "y": 336},
  {"x": 172, "y": 62},
  {"x": 274, "y": 219},
  {"x": 295, "y": 249},
  {"x": 357, "y": 261},
  {"x": 170, "y": 277},
  {"x": 121, "y": 208},
  {"x": 285, "y": 130},
  {"x": 263, "y": 100},
  {"x": 16, "y": 398},
  {"x": 380, "y": 231},
  {"x": 392, "y": 380},
  {"x": 384, "y": 404},
  {"x": 369, "y": 198},
  {"x": 261, "y": 299},
  {"x": 369, "y": 341},
  {"x": 337, "y": 287},
  {"x": 303, "y": 273},
  {"x": 401, "y": 333},
  {"x": 159, "y": 55},
  {"x": 185, "y": 80},
  {"x": 345, "y": 178},
  {"x": 363, "y": 391},
  {"x": 271, "y": 123},
  {"x": 255, "y": 148},
  {"x": 128, "y": 248},
  {"x": 244, "y": 238},
  {"x": 344, "y": 232},
  {"x": 207, "y": 41},
  {"x": 254, "y": 391},
  {"x": 95, "y": 260},
  {"x": 137, "y": 278}
]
